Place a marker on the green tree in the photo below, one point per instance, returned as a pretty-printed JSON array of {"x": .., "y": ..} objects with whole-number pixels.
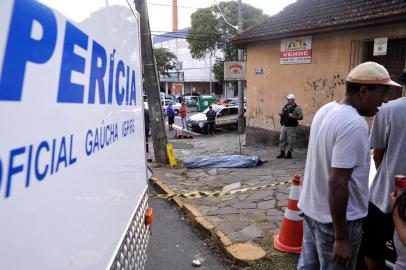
[
  {"x": 209, "y": 30},
  {"x": 218, "y": 70},
  {"x": 165, "y": 60}
]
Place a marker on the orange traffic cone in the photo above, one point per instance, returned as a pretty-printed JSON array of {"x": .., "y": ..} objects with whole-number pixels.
[{"x": 290, "y": 236}]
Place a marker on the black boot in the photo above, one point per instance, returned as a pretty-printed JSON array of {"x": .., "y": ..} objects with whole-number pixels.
[
  {"x": 288, "y": 155},
  {"x": 281, "y": 155}
]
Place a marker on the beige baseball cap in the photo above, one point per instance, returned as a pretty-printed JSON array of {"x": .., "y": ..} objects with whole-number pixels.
[{"x": 370, "y": 73}]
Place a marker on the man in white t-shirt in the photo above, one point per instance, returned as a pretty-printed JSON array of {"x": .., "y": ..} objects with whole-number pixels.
[{"x": 334, "y": 196}]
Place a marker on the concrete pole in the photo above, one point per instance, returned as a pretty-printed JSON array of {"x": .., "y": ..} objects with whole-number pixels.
[
  {"x": 174, "y": 15},
  {"x": 159, "y": 138},
  {"x": 241, "y": 122}
]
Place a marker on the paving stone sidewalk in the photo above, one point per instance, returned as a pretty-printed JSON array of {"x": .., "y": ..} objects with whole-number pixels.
[{"x": 242, "y": 217}]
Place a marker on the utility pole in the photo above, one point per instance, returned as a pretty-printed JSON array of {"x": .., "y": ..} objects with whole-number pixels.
[
  {"x": 156, "y": 117},
  {"x": 241, "y": 122}
]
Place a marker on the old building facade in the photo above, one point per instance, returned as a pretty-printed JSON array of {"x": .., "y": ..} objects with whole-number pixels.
[{"x": 308, "y": 49}]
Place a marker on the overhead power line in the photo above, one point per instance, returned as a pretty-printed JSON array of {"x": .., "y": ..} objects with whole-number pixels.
[
  {"x": 183, "y": 37},
  {"x": 187, "y": 33},
  {"x": 169, "y": 5}
]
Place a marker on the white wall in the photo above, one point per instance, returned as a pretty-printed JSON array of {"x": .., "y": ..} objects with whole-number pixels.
[{"x": 194, "y": 70}]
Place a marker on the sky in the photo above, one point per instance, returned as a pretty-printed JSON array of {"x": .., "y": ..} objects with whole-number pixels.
[{"x": 160, "y": 11}]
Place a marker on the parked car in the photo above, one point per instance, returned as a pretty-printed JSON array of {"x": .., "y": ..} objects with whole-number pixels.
[
  {"x": 225, "y": 116},
  {"x": 175, "y": 105}
]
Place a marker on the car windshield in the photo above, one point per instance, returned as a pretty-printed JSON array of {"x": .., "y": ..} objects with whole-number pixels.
[{"x": 215, "y": 108}]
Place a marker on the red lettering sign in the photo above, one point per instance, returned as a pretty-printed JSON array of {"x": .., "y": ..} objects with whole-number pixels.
[
  {"x": 293, "y": 54},
  {"x": 235, "y": 66}
]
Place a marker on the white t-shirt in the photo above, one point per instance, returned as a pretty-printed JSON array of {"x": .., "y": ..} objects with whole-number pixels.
[
  {"x": 338, "y": 139},
  {"x": 401, "y": 252},
  {"x": 388, "y": 132}
]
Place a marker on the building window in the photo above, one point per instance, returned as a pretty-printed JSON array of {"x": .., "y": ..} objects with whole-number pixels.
[{"x": 394, "y": 60}]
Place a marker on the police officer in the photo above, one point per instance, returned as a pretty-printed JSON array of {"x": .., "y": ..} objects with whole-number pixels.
[{"x": 290, "y": 114}]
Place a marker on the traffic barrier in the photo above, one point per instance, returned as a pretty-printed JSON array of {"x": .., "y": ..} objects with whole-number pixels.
[{"x": 290, "y": 236}]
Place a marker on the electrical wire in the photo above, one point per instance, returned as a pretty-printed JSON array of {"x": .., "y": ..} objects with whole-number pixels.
[
  {"x": 186, "y": 37},
  {"x": 169, "y": 5}
]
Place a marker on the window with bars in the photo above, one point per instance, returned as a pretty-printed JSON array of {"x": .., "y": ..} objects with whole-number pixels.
[{"x": 393, "y": 61}]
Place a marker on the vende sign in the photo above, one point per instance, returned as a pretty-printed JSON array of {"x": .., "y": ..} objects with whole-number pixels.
[{"x": 296, "y": 50}]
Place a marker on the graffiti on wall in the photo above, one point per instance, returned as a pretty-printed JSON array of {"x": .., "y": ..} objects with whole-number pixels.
[
  {"x": 259, "y": 111},
  {"x": 323, "y": 90}
]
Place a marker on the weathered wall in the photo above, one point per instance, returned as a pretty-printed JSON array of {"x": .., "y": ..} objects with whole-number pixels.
[{"x": 313, "y": 84}]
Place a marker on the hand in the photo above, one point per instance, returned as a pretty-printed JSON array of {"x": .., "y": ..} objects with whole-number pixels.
[
  {"x": 342, "y": 253},
  {"x": 392, "y": 199},
  {"x": 291, "y": 115}
]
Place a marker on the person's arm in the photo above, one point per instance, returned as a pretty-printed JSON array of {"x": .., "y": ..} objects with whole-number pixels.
[
  {"x": 378, "y": 156},
  {"x": 298, "y": 115},
  {"x": 338, "y": 200},
  {"x": 378, "y": 136}
]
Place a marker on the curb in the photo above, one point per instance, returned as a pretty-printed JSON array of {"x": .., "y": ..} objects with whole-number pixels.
[
  {"x": 247, "y": 252},
  {"x": 187, "y": 130}
]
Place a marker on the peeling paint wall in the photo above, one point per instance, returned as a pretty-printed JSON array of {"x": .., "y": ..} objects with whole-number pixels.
[{"x": 313, "y": 84}]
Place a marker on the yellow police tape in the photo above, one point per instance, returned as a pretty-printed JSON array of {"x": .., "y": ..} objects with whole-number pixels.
[{"x": 201, "y": 194}]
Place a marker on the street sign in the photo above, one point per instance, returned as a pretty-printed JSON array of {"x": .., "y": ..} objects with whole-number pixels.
[
  {"x": 234, "y": 71},
  {"x": 380, "y": 46},
  {"x": 173, "y": 76}
]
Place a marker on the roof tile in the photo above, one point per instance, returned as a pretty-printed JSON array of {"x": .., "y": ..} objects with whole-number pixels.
[{"x": 309, "y": 15}]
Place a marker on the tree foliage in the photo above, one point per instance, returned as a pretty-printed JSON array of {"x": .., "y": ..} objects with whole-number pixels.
[
  {"x": 165, "y": 60},
  {"x": 209, "y": 31},
  {"x": 218, "y": 69}
]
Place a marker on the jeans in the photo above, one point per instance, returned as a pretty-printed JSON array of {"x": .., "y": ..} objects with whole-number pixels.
[
  {"x": 184, "y": 125},
  {"x": 210, "y": 127},
  {"x": 318, "y": 240}
]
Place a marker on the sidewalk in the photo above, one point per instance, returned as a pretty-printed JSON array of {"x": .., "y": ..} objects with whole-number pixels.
[{"x": 249, "y": 216}]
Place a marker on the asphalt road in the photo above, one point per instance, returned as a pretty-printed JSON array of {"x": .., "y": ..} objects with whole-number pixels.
[
  {"x": 174, "y": 244},
  {"x": 178, "y": 123}
]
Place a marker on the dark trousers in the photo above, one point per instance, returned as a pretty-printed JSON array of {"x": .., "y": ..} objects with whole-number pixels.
[{"x": 210, "y": 127}]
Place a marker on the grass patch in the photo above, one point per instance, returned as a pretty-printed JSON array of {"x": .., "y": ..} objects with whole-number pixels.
[
  {"x": 258, "y": 221},
  {"x": 274, "y": 260}
]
